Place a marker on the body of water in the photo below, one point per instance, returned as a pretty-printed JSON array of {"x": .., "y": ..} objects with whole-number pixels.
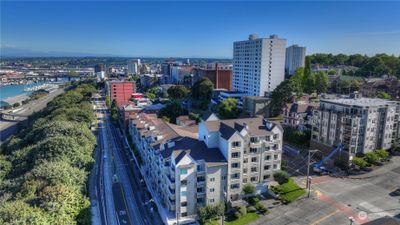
[{"x": 10, "y": 91}]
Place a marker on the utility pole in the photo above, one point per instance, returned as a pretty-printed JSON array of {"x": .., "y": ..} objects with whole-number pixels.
[{"x": 308, "y": 172}]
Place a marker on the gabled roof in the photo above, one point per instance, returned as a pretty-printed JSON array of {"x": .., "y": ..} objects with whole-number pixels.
[
  {"x": 255, "y": 126},
  {"x": 194, "y": 148},
  {"x": 207, "y": 115}
]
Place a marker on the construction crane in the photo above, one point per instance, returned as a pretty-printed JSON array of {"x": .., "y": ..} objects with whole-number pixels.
[{"x": 318, "y": 167}]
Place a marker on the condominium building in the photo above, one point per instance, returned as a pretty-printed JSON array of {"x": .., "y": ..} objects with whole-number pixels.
[
  {"x": 361, "y": 124},
  {"x": 251, "y": 146},
  {"x": 258, "y": 64},
  {"x": 295, "y": 58},
  {"x": 188, "y": 167}
]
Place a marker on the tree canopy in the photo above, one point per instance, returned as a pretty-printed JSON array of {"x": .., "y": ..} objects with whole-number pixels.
[
  {"x": 228, "y": 109},
  {"x": 178, "y": 92},
  {"x": 44, "y": 168}
]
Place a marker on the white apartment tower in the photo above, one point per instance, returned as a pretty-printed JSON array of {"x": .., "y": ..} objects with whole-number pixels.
[
  {"x": 133, "y": 68},
  {"x": 295, "y": 58},
  {"x": 258, "y": 64}
]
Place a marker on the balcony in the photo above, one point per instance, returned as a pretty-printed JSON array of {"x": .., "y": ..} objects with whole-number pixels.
[{"x": 171, "y": 190}]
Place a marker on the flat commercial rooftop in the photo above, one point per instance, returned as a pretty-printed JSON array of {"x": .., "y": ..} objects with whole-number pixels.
[{"x": 362, "y": 102}]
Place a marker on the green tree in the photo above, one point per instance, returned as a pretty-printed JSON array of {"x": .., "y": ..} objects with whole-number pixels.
[
  {"x": 202, "y": 89},
  {"x": 171, "y": 111},
  {"x": 228, "y": 109},
  {"x": 249, "y": 189},
  {"x": 281, "y": 95},
  {"x": 281, "y": 177},
  {"x": 309, "y": 78},
  {"x": 178, "y": 92},
  {"x": 297, "y": 81},
  {"x": 321, "y": 82},
  {"x": 108, "y": 101},
  {"x": 151, "y": 93},
  {"x": 383, "y": 95},
  {"x": 17, "y": 104},
  {"x": 19, "y": 212}
]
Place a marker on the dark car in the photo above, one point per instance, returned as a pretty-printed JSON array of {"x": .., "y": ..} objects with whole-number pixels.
[{"x": 395, "y": 192}]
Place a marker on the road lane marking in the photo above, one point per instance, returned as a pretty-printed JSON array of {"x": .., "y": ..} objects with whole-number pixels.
[{"x": 324, "y": 218}]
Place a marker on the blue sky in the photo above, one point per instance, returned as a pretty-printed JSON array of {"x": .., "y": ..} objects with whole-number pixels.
[{"x": 198, "y": 29}]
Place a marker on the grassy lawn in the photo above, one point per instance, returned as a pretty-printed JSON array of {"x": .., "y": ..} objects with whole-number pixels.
[
  {"x": 249, "y": 217},
  {"x": 289, "y": 191},
  {"x": 213, "y": 222}
]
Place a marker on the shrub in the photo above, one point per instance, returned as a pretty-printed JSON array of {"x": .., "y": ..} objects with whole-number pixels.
[
  {"x": 253, "y": 200},
  {"x": 237, "y": 215},
  {"x": 382, "y": 153},
  {"x": 251, "y": 209},
  {"x": 249, "y": 189},
  {"x": 371, "y": 157},
  {"x": 260, "y": 207},
  {"x": 243, "y": 210},
  {"x": 360, "y": 162},
  {"x": 281, "y": 177}
]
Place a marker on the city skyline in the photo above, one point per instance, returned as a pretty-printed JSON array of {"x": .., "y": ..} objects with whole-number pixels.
[{"x": 194, "y": 29}]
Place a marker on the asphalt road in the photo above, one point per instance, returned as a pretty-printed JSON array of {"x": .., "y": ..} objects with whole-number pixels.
[
  {"x": 8, "y": 128},
  {"x": 120, "y": 196},
  {"x": 141, "y": 195}
]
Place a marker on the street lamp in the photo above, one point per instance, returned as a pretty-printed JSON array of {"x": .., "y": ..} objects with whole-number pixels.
[
  {"x": 308, "y": 171},
  {"x": 223, "y": 213}
]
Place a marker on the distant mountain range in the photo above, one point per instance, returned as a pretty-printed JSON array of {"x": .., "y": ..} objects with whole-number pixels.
[{"x": 19, "y": 52}]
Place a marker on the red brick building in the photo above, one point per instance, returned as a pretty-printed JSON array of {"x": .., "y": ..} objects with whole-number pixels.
[
  {"x": 121, "y": 91},
  {"x": 221, "y": 78}
]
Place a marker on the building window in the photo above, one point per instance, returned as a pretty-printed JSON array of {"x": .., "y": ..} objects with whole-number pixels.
[
  {"x": 212, "y": 189},
  {"x": 235, "y": 186},
  {"x": 184, "y": 171},
  {"x": 200, "y": 200},
  {"x": 235, "y": 165},
  {"x": 235, "y": 154},
  {"x": 200, "y": 189},
  {"x": 183, "y": 193},
  {"x": 275, "y": 166},
  {"x": 245, "y": 180},
  {"x": 245, "y": 160},
  {"x": 253, "y": 179},
  {"x": 183, "y": 204},
  {"x": 212, "y": 179},
  {"x": 184, "y": 214},
  {"x": 211, "y": 200},
  {"x": 183, "y": 182},
  {"x": 235, "y": 176},
  {"x": 254, "y": 159},
  {"x": 267, "y": 157},
  {"x": 267, "y": 176},
  {"x": 254, "y": 139},
  {"x": 266, "y": 167},
  {"x": 253, "y": 169},
  {"x": 236, "y": 144},
  {"x": 275, "y": 157},
  {"x": 253, "y": 150}
]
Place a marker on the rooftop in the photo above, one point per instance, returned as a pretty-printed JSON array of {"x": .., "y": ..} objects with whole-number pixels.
[
  {"x": 361, "y": 102},
  {"x": 196, "y": 149}
]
